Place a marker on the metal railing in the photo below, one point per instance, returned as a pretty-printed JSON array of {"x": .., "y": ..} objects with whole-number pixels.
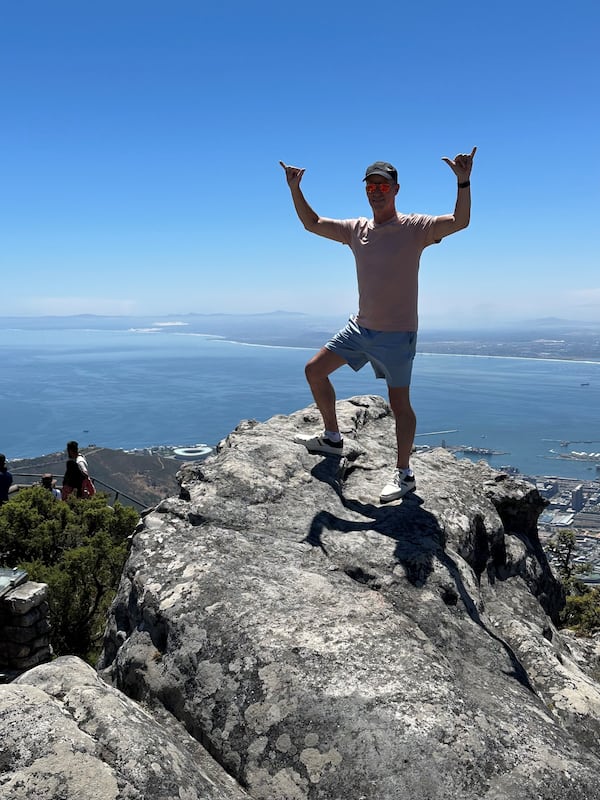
[{"x": 97, "y": 482}]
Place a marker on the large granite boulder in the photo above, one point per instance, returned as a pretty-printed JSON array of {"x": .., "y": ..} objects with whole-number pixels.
[
  {"x": 319, "y": 645},
  {"x": 66, "y": 735}
]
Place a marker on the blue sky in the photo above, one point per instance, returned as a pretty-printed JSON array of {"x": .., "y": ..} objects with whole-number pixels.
[{"x": 140, "y": 143}]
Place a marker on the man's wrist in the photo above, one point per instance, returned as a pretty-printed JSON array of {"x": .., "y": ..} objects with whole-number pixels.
[{"x": 463, "y": 184}]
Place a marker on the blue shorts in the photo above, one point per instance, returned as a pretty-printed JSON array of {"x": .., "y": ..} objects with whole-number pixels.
[{"x": 391, "y": 353}]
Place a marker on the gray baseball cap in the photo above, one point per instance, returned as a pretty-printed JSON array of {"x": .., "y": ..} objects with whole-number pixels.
[{"x": 382, "y": 168}]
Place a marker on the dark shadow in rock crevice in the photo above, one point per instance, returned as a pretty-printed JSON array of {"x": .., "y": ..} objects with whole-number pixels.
[{"x": 419, "y": 542}]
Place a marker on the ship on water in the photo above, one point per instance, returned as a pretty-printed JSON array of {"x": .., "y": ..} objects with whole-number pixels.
[
  {"x": 577, "y": 455},
  {"x": 478, "y": 451}
]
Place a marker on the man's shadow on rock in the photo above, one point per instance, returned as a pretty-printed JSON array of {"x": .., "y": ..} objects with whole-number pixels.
[
  {"x": 416, "y": 531},
  {"x": 419, "y": 541}
]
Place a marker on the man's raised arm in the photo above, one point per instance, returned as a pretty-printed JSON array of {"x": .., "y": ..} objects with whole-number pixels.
[
  {"x": 310, "y": 219},
  {"x": 450, "y": 223}
]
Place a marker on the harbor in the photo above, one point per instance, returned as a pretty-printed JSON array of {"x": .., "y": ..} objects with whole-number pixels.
[{"x": 576, "y": 455}]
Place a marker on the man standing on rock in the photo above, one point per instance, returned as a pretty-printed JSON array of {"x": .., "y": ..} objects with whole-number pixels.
[{"x": 387, "y": 250}]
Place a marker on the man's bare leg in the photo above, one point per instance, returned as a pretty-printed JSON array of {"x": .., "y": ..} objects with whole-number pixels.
[
  {"x": 317, "y": 373},
  {"x": 406, "y": 423}
]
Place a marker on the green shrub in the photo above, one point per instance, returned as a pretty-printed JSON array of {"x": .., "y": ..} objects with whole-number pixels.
[
  {"x": 79, "y": 549},
  {"x": 582, "y": 607},
  {"x": 582, "y": 612}
]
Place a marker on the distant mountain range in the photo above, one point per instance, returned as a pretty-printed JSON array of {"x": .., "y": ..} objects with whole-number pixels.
[{"x": 546, "y": 337}]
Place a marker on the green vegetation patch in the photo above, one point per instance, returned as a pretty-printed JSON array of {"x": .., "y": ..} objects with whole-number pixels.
[
  {"x": 582, "y": 609},
  {"x": 78, "y": 548}
]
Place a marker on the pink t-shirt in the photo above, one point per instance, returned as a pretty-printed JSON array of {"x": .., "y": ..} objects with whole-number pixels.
[{"x": 387, "y": 266}]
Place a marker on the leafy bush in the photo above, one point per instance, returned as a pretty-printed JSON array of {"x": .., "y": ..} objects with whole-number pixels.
[
  {"x": 582, "y": 607},
  {"x": 582, "y": 612},
  {"x": 78, "y": 548}
]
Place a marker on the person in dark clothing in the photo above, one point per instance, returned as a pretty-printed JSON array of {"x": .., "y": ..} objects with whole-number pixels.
[
  {"x": 6, "y": 480},
  {"x": 76, "y": 471}
]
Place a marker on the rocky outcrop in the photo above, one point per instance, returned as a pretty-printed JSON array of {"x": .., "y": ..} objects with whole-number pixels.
[
  {"x": 318, "y": 645},
  {"x": 66, "y": 734}
]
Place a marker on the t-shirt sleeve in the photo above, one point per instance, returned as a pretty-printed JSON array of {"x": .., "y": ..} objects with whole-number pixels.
[
  {"x": 340, "y": 230},
  {"x": 426, "y": 224}
]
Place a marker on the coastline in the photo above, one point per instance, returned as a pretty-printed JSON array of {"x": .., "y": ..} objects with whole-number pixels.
[
  {"x": 510, "y": 357},
  {"x": 139, "y": 393},
  {"x": 552, "y": 339}
]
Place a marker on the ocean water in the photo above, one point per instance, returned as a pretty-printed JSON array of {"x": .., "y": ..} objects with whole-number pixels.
[{"x": 127, "y": 387}]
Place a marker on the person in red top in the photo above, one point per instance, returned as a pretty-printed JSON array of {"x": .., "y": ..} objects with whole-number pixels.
[{"x": 387, "y": 250}]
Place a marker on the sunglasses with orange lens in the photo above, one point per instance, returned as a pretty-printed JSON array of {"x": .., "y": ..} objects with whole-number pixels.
[{"x": 381, "y": 187}]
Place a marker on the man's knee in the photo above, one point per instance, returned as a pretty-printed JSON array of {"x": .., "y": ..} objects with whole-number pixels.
[
  {"x": 322, "y": 365},
  {"x": 312, "y": 371},
  {"x": 400, "y": 400}
]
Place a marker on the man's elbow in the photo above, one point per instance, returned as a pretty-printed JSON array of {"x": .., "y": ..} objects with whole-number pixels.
[
  {"x": 311, "y": 224},
  {"x": 452, "y": 223},
  {"x": 460, "y": 223}
]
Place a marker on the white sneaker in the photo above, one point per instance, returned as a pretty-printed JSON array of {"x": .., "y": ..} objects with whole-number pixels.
[
  {"x": 400, "y": 485},
  {"x": 320, "y": 444}
]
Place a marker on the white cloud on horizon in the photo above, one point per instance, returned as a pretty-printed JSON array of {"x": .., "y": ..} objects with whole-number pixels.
[
  {"x": 506, "y": 304},
  {"x": 584, "y": 298},
  {"x": 67, "y": 306},
  {"x": 437, "y": 307}
]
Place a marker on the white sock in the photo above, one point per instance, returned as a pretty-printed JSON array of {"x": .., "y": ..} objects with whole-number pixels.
[
  {"x": 333, "y": 436},
  {"x": 407, "y": 473}
]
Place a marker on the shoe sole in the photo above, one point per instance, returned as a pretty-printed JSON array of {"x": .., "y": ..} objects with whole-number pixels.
[
  {"x": 399, "y": 496},
  {"x": 318, "y": 450},
  {"x": 329, "y": 451}
]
